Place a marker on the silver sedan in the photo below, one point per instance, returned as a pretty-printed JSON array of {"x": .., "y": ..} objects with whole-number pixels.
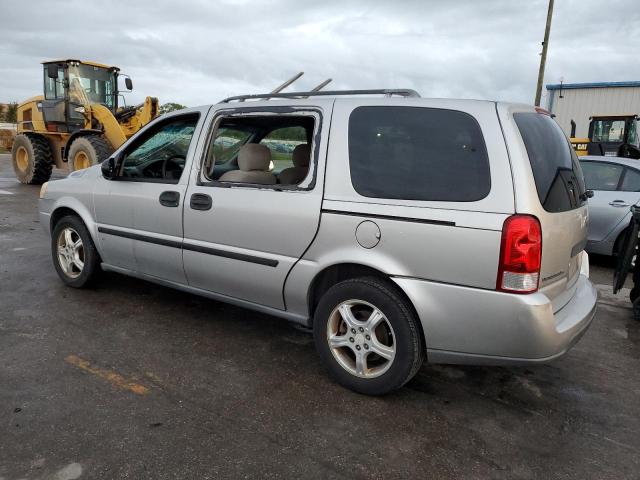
[{"x": 616, "y": 186}]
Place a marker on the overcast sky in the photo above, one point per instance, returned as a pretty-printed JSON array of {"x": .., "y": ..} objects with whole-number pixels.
[{"x": 199, "y": 52}]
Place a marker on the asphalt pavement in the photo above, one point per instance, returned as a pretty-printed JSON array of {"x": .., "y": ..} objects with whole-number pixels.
[{"x": 134, "y": 380}]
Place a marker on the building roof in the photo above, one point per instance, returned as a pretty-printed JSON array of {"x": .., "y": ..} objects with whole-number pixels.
[{"x": 571, "y": 86}]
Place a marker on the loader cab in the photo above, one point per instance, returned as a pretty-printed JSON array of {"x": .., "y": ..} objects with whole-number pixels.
[
  {"x": 70, "y": 86},
  {"x": 615, "y": 135}
]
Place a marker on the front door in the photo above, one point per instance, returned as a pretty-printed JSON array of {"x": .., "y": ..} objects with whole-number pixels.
[
  {"x": 54, "y": 104},
  {"x": 139, "y": 213},
  {"x": 244, "y": 229}
]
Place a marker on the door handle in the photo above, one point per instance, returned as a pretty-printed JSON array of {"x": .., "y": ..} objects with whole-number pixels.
[
  {"x": 200, "y": 201},
  {"x": 619, "y": 203},
  {"x": 170, "y": 199}
]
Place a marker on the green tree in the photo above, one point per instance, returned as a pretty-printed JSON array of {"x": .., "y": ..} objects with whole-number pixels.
[
  {"x": 11, "y": 115},
  {"x": 170, "y": 107}
]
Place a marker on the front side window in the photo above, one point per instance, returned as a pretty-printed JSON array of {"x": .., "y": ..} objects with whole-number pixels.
[
  {"x": 416, "y": 153},
  {"x": 160, "y": 155},
  {"x": 633, "y": 133},
  {"x": 601, "y": 176}
]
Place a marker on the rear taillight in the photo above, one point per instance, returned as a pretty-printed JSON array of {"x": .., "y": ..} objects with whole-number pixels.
[{"x": 520, "y": 255}]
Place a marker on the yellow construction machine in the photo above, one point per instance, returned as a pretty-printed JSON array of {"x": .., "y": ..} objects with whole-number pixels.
[
  {"x": 609, "y": 135},
  {"x": 78, "y": 121}
]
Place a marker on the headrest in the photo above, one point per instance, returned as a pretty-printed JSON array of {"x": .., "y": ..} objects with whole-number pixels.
[
  {"x": 254, "y": 156},
  {"x": 301, "y": 155}
]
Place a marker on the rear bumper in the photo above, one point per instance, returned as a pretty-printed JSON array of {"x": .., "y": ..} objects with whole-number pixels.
[{"x": 483, "y": 327}]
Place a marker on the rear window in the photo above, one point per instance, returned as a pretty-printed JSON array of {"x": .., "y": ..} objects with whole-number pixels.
[
  {"x": 415, "y": 153},
  {"x": 556, "y": 169}
]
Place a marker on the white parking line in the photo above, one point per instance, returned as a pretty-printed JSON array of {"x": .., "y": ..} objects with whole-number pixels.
[{"x": 5, "y": 192}]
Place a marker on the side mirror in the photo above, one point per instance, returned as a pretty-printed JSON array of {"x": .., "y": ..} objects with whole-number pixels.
[
  {"x": 52, "y": 70},
  {"x": 108, "y": 168},
  {"x": 128, "y": 83}
]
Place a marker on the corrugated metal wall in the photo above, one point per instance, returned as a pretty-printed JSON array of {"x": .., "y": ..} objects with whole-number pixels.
[{"x": 581, "y": 103}]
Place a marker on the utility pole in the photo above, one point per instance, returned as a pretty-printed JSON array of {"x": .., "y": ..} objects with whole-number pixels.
[{"x": 543, "y": 57}]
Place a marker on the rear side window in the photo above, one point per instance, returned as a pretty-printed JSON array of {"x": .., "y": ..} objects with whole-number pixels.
[
  {"x": 556, "y": 170},
  {"x": 631, "y": 182},
  {"x": 415, "y": 153}
]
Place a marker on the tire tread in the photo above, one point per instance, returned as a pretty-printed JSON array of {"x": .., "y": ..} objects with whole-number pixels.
[
  {"x": 101, "y": 149},
  {"x": 42, "y": 158}
]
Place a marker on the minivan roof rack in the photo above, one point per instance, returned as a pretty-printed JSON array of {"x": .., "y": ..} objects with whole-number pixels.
[{"x": 402, "y": 92}]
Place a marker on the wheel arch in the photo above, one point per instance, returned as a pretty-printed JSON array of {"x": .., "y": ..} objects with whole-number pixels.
[
  {"x": 70, "y": 206},
  {"x": 338, "y": 272}
]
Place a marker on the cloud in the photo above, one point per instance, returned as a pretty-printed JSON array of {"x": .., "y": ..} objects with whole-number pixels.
[{"x": 199, "y": 52}]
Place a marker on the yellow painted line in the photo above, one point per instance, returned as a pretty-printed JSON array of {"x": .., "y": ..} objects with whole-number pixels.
[{"x": 112, "y": 377}]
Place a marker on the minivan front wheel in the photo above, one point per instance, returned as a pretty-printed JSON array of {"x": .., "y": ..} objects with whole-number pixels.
[
  {"x": 74, "y": 254},
  {"x": 367, "y": 336}
]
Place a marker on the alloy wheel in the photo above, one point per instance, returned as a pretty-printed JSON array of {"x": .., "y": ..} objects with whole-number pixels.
[
  {"x": 70, "y": 252},
  {"x": 361, "y": 338}
]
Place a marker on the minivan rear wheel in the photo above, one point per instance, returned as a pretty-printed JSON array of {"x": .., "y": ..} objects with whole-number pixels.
[{"x": 368, "y": 336}]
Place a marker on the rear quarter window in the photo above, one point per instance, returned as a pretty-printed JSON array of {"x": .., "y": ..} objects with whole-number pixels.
[
  {"x": 415, "y": 153},
  {"x": 556, "y": 170}
]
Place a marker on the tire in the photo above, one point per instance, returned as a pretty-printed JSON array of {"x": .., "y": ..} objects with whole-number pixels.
[
  {"x": 398, "y": 331},
  {"x": 70, "y": 271},
  {"x": 88, "y": 151},
  {"x": 32, "y": 159}
]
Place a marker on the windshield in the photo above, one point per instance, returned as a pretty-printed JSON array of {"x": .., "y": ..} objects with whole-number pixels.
[
  {"x": 88, "y": 84},
  {"x": 608, "y": 131}
]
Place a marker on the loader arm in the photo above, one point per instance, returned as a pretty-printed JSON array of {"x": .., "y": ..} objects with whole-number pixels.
[
  {"x": 144, "y": 113},
  {"x": 113, "y": 132}
]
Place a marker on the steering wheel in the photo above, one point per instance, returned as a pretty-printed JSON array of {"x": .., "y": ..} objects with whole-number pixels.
[{"x": 173, "y": 159}]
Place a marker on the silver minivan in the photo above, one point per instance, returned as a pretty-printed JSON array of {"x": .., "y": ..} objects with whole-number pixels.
[{"x": 398, "y": 228}]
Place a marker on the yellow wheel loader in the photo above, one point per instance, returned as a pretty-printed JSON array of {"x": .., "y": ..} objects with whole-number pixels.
[
  {"x": 77, "y": 122},
  {"x": 609, "y": 135}
]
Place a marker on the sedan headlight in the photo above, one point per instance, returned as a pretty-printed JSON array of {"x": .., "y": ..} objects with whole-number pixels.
[{"x": 43, "y": 189}]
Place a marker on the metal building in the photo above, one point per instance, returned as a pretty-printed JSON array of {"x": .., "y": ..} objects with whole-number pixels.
[{"x": 579, "y": 101}]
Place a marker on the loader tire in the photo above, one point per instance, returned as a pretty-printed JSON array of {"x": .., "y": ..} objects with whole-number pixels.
[
  {"x": 88, "y": 151},
  {"x": 32, "y": 159}
]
